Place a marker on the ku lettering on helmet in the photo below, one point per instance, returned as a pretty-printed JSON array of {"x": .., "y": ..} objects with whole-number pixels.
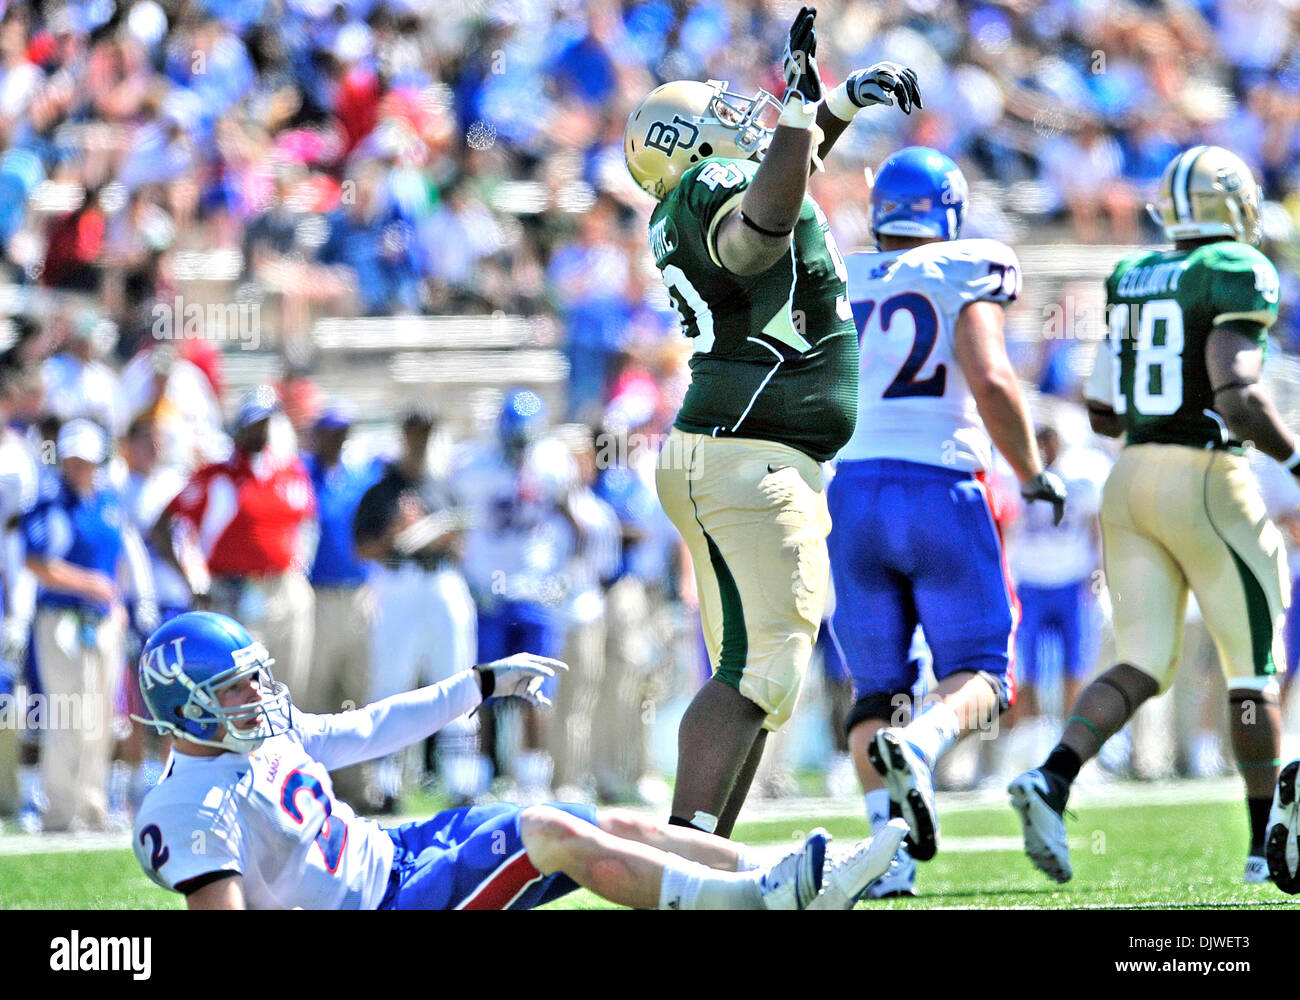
[
  {"x": 156, "y": 668},
  {"x": 666, "y": 136}
]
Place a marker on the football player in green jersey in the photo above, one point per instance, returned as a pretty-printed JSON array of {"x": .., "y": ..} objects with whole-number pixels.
[
  {"x": 1179, "y": 376},
  {"x": 750, "y": 263}
]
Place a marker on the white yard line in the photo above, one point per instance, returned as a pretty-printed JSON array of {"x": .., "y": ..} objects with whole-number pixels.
[{"x": 1102, "y": 795}]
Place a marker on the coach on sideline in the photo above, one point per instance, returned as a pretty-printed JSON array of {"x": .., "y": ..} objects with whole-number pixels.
[
  {"x": 77, "y": 535},
  {"x": 249, "y": 516},
  {"x": 345, "y": 603}
]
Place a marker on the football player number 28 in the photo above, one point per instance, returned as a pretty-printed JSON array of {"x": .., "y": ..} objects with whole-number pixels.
[
  {"x": 1157, "y": 367},
  {"x": 926, "y": 323}
]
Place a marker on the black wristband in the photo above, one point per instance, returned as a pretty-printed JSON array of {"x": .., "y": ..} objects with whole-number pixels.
[
  {"x": 759, "y": 229},
  {"x": 487, "y": 683}
]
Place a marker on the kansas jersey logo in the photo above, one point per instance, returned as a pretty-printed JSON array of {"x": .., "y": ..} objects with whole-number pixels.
[
  {"x": 667, "y": 136},
  {"x": 155, "y": 668}
]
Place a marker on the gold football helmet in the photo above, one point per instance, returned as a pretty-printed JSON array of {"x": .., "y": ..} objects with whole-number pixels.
[
  {"x": 683, "y": 122},
  {"x": 1208, "y": 191}
]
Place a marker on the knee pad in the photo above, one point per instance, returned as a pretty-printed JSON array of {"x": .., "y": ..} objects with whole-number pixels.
[
  {"x": 1133, "y": 684},
  {"x": 893, "y": 707}
]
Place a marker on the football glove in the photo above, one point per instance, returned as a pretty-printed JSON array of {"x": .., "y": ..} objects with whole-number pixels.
[
  {"x": 1046, "y": 486},
  {"x": 800, "y": 59},
  {"x": 519, "y": 676},
  {"x": 883, "y": 83}
]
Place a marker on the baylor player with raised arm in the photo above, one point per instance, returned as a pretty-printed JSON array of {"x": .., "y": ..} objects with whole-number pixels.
[
  {"x": 1179, "y": 375},
  {"x": 751, "y": 265}
]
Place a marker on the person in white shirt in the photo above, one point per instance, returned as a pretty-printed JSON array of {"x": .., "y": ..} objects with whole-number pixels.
[{"x": 1054, "y": 566}]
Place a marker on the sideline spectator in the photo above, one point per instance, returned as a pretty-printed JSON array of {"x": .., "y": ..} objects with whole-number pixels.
[
  {"x": 250, "y": 516},
  {"x": 345, "y": 603},
  {"x": 76, "y": 538}
]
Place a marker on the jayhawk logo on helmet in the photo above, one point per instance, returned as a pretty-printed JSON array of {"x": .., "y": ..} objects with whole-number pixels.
[
  {"x": 1208, "y": 191},
  {"x": 683, "y": 122},
  {"x": 186, "y": 664}
]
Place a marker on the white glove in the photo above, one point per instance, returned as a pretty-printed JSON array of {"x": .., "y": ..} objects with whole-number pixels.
[
  {"x": 147, "y": 617},
  {"x": 519, "y": 676}
]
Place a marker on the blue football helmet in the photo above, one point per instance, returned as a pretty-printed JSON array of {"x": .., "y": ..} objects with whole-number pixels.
[
  {"x": 185, "y": 664},
  {"x": 521, "y": 421},
  {"x": 918, "y": 192}
]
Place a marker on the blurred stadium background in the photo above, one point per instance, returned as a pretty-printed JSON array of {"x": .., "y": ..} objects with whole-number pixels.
[{"x": 385, "y": 202}]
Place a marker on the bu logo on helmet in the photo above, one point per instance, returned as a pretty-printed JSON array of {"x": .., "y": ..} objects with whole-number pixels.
[
  {"x": 666, "y": 137},
  {"x": 156, "y": 670}
]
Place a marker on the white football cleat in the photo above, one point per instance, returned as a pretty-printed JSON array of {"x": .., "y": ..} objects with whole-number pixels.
[
  {"x": 911, "y": 788},
  {"x": 794, "y": 881},
  {"x": 849, "y": 878},
  {"x": 899, "y": 880},
  {"x": 1043, "y": 825},
  {"x": 1281, "y": 847}
]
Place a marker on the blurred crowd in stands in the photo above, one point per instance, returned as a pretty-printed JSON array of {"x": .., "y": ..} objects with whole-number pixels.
[{"x": 464, "y": 157}]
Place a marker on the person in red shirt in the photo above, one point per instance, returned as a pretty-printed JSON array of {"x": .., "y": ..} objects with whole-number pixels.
[{"x": 238, "y": 532}]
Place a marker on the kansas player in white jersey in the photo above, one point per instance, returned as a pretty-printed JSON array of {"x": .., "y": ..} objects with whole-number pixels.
[
  {"x": 245, "y": 815},
  {"x": 914, "y": 538}
]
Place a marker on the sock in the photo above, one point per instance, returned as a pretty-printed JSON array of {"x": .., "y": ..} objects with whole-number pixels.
[
  {"x": 29, "y": 786},
  {"x": 878, "y": 808},
  {"x": 1258, "y": 810},
  {"x": 686, "y": 885},
  {"x": 933, "y": 732},
  {"x": 1064, "y": 763},
  {"x": 702, "y": 821}
]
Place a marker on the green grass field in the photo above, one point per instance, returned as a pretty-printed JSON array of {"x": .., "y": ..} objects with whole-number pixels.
[{"x": 1171, "y": 846}]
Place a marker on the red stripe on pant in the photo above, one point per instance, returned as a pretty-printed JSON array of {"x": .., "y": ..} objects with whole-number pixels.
[
  {"x": 503, "y": 886},
  {"x": 998, "y": 512}
]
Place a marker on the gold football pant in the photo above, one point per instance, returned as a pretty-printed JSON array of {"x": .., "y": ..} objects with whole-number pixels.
[
  {"x": 753, "y": 515},
  {"x": 1174, "y": 517}
]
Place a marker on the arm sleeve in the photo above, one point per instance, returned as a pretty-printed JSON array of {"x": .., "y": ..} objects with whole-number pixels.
[
  {"x": 1244, "y": 290},
  {"x": 1101, "y": 382},
  {"x": 44, "y": 534},
  {"x": 387, "y": 726},
  {"x": 189, "y": 503},
  {"x": 987, "y": 271},
  {"x": 187, "y": 842},
  {"x": 374, "y": 516},
  {"x": 710, "y": 192}
]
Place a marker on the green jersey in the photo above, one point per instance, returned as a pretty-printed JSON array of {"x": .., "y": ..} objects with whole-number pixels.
[
  {"x": 776, "y": 353},
  {"x": 1162, "y": 306}
]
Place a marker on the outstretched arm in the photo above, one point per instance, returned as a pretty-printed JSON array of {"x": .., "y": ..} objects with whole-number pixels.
[
  {"x": 882, "y": 84},
  {"x": 753, "y": 237},
  {"x": 388, "y": 725}
]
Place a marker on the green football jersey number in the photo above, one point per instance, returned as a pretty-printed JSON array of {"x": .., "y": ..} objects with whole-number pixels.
[{"x": 1163, "y": 307}]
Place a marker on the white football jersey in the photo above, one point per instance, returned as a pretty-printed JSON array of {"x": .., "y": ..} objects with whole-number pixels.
[
  {"x": 270, "y": 816},
  {"x": 913, "y": 400}
]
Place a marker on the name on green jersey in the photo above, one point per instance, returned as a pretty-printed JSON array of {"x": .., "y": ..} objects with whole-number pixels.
[
  {"x": 1151, "y": 279},
  {"x": 663, "y": 239}
]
